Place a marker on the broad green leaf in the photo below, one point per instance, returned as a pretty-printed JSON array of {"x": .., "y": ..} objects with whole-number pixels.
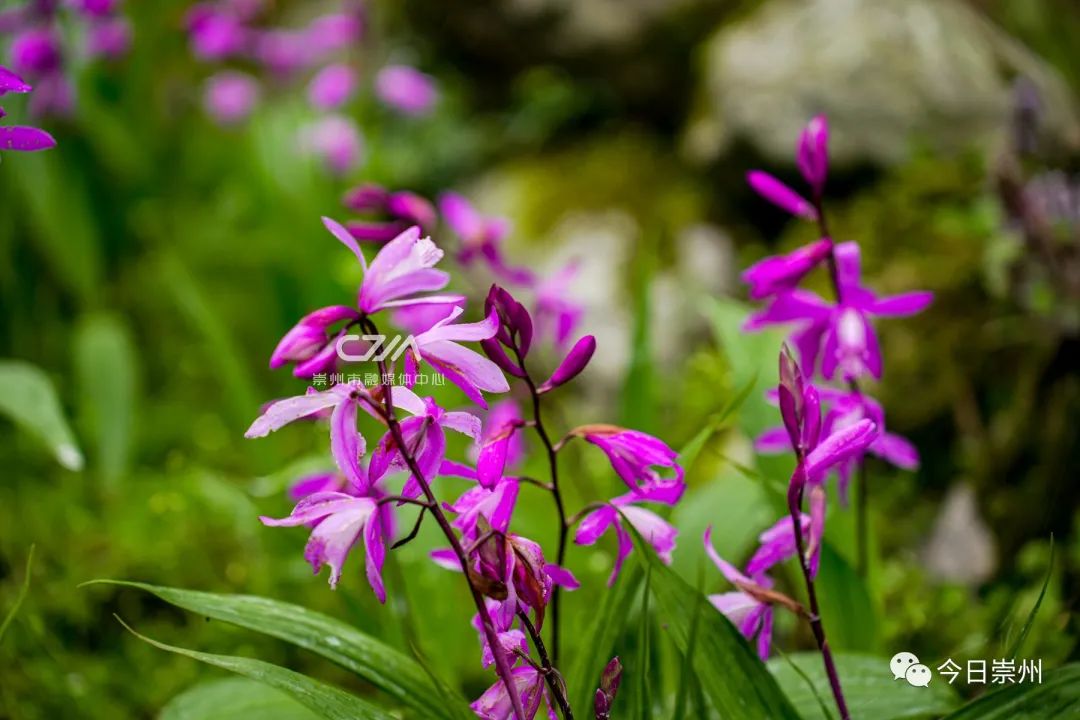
[
  {"x": 729, "y": 670},
  {"x": 384, "y": 667},
  {"x": 869, "y": 689},
  {"x": 20, "y": 597},
  {"x": 326, "y": 700},
  {"x": 643, "y": 678},
  {"x": 846, "y": 608},
  {"x": 233, "y": 698},
  {"x": 596, "y": 649},
  {"x": 106, "y": 367},
  {"x": 1058, "y": 696},
  {"x": 28, "y": 397}
]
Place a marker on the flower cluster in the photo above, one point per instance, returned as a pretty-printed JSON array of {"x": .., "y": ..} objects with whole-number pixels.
[
  {"x": 321, "y": 53},
  {"x": 37, "y": 50},
  {"x": 20, "y": 137},
  {"x": 829, "y": 429},
  {"x": 514, "y": 583}
]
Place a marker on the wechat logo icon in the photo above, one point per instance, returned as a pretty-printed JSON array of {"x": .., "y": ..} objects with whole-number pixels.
[{"x": 906, "y": 666}]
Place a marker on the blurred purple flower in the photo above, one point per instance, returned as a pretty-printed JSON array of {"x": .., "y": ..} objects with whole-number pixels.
[
  {"x": 230, "y": 96},
  {"x": 501, "y": 445},
  {"x": 557, "y": 316},
  {"x": 332, "y": 87},
  {"x": 406, "y": 89},
  {"x": 108, "y": 37},
  {"x": 572, "y": 365},
  {"x": 778, "y": 273},
  {"x": 401, "y": 209},
  {"x": 780, "y": 194},
  {"x": 813, "y": 153},
  {"x": 336, "y": 139},
  {"x": 481, "y": 237}
]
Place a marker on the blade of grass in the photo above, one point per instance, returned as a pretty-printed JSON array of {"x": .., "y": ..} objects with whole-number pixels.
[
  {"x": 20, "y": 597},
  {"x": 1035, "y": 609}
]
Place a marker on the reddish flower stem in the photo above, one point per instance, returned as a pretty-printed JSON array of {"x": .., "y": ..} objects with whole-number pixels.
[{"x": 501, "y": 666}]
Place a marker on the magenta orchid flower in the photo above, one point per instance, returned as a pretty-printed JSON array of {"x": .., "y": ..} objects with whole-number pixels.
[
  {"x": 501, "y": 444},
  {"x": 406, "y": 90},
  {"x": 395, "y": 212},
  {"x": 339, "y": 521},
  {"x": 813, "y": 153},
  {"x": 777, "y": 544},
  {"x": 468, "y": 369},
  {"x": 495, "y": 703},
  {"x": 493, "y": 507},
  {"x": 571, "y": 366},
  {"x": 653, "y": 529},
  {"x": 310, "y": 344},
  {"x": 336, "y": 140},
  {"x": 316, "y": 483},
  {"x": 633, "y": 454},
  {"x": 17, "y": 137},
  {"x": 842, "y": 334},
  {"x": 781, "y": 195},
  {"x": 846, "y": 409},
  {"x": 403, "y": 267},
  {"x": 780, "y": 273},
  {"x": 424, "y": 434},
  {"x": 481, "y": 237},
  {"x": 347, "y": 445},
  {"x": 746, "y": 609}
]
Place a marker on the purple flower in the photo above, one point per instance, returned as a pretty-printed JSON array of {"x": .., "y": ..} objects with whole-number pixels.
[
  {"x": 319, "y": 482},
  {"x": 339, "y": 520},
  {"x": 556, "y": 314},
  {"x": 230, "y": 96},
  {"x": 633, "y": 454},
  {"x": 336, "y": 139},
  {"x": 347, "y": 445},
  {"x": 332, "y": 87},
  {"x": 654, "y": 529},
  {"x": 309, "y": 344},
  {"x": 406, "y": 89},
  {"x": 846, "y": 409},
  {"x": 813, "y": 153},
  {"x": 481, "y": 237},
  {"x": 842, "y": 334},
  {"x": 501, "y": 443},
  {"x": 609, "y": 686},
  {"x": 781, "y": 195},
  {"x": 401, "y": 210},
  {"x": 571, "y": 365},
  {"x": 403, "y": 267},
  {"x": 424, "y": 434},
  {"x": 36, "y": 52},
  {"x": 335, "y": 31},
  {"x": 747, "y": 607},
  {"x": 495, "y": 703},
  {"x": 468, "y": 369},
  {"x": 494, "y": 507},
  {"x": 778, "y": 273},
  {"x": 108, "y": 38},
  {"x": 18, "y": 137},
  {"x": 513, "y": 339},
  {"x": 777, "y": 544},
  {"x": 216, "y": 33}
]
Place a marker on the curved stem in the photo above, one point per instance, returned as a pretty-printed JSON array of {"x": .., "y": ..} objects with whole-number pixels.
[
  {"x": 564, "y": 526},
  {"x": 551, "y": 675},
  {"x": 492, "y": 637}
]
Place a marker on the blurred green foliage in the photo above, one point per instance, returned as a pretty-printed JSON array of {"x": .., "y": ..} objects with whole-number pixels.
[{"x": 150, "y": 263}]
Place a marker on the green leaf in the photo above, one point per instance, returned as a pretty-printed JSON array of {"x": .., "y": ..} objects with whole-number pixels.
[
  {"x": 869, "y": 688},
  {"x": 847, "y": 611},
  {"x": 1035, "y": 608},
  {"x": 598, "y": 645},
  {"x": 384, "y": 667},
  {"x": 106, "y": 367},
  {"x": 23, "y": 590},
  {"x": 1058, "y": 696},
  {"x": 234, "y": 698},
  {"x": 27, "y": 396},
  {"x": 730, "y": 671},
  {"x": 326, "y": 700},
  {"x": 642, "y": 677}
]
